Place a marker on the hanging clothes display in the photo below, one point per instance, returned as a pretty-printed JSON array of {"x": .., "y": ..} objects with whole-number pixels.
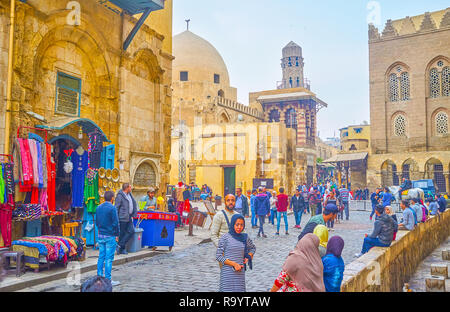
[
  {"x": 91, "y": 196},
  {"x": 27, "y": 166},
  {"x": 51, "y": 177},
  {"x": 80, "y": 166},
  {"x": 6, "y": 201},
  {"x": 95, "y": 149}
]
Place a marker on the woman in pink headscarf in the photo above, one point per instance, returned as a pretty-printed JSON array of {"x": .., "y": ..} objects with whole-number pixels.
[{"x": 303, "y": 268}]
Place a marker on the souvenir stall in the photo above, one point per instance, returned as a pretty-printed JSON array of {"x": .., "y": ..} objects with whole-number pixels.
[{"x": 6, "y": 198}]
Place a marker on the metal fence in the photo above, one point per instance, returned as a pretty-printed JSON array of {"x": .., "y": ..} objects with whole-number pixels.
[{"x": 366, "y": 205}]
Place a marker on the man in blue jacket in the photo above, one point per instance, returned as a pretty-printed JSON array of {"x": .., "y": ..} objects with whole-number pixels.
[
  {"x": 262, "y": 209},
  {"x": 107, "y": 223}
]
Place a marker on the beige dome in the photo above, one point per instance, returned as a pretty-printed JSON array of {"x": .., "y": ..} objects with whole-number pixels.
[{"x": 199, "y": 58}]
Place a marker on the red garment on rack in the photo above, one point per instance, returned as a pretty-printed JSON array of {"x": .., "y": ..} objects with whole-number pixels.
[
  {"x": 34, "y": 196},
  {"x": 51, "y": 171},
  {"x": 27, "y": 166},
  {"x": 5, "y": 223}
]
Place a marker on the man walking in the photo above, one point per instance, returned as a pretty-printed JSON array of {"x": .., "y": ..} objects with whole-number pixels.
[
  {"x": 107, "y": 223},
  {"x": 241, "y": 202},
  {"x": 252, "y": 206},
  {"x": 282, "y": 204},
  {"x": 297, "y": 204},
  {"x": 222, "y": 219},
  {"x": 262, "y": 208},
  {"x": 126, "y": 210},
  {"x": 344, "y": 197},
  {"x": 375, "y": 199}
]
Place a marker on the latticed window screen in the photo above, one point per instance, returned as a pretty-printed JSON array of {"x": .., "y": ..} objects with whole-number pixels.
[
  {"x": 68, "y": 94},
  {"x": 395, "y": 179},
  {"x": 405, "y": 171},
  {"x": 393, "y": 88},
  {"x": 145, "y": 175},
  {"x": 400, "y": 126},
  {"x": 441, "y": 123},
  {"x": 435, "y": 83},
  {"x": 446, "y": 81},
  {"x": 291, "y": 118},
  {"x": 404, "y": 84}
]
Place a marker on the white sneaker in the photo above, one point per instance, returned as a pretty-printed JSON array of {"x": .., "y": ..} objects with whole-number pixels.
[
  {"x": 115, "y": 283},
  {"x": 357, "y": 255}
]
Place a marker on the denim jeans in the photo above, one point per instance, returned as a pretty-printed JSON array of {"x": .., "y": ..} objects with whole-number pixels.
[
  {"x": 107, "y": 248},
  {"x": 372, "y": 242},
  {"x": 298, "y": 216},
  {"x": 373, "y": 210},
  {"x": 319, "y": 208},
  {"x": 347, "y": 213},
  {"x": 330, "y": 224},
  {"x": 261, "y": 224},
  {"x": 273, "y": 215},
  {"x": 254, "y": 217},
  {"x": 307, "y": 206},
  {"x": 284, "y": 214}
]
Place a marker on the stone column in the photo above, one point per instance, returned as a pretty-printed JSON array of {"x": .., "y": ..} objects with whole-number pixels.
[{"x": 447, "y": 182}]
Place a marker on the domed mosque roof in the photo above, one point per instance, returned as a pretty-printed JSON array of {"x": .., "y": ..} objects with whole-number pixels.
[{"x": 199, "y": 58}]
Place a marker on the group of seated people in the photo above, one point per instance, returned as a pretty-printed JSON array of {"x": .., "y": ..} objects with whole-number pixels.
[{"x": 316, "y": 264}]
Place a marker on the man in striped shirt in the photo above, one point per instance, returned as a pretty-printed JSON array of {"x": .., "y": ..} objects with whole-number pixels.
[{"x": 344, "y": 195}]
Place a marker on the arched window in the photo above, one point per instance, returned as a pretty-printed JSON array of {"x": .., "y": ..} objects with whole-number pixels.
[
  {"x": 399, "y": 84},
  {"x": 439, "y": 78},
  {"x": 404, "y": 85},
  {"x": 145, "y": 176},
  {"x": 441, "y": 123},
  {"x": 221, "y": 93},
  {"x": 435, "y": 83},
  {"x": 353, "y": 147},
  {"x": 400, "y": 126},
  {"x": 446, "y": 81},
  {"x": 393, "y": 88},
  {"x": 290, "y": 82},
  {"x": 298, "y": 81}
]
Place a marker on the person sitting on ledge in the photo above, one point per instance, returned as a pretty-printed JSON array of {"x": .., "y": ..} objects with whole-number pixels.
[
  {"x": 383, "y": 231},
  {"x": 409, "y": 220}
]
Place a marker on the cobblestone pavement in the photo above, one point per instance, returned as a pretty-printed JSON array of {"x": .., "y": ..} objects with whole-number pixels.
[
  {"x": 195, "y": 269},
  {"x": 417, "y": 281}
]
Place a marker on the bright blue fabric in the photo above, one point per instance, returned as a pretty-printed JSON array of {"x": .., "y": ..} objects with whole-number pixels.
[
  {"x": 333, "y": 272},
  {"x": 80, "y": 166},
  {"x": 41, "y": 247}
]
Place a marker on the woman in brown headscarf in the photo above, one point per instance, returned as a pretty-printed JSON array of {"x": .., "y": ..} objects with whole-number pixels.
[{"x": 303, "y": 268}]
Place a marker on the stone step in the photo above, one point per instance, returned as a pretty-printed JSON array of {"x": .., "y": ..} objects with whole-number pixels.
[
  {"x": 435, "y": 284},
  {"x": 446, "y": 254},
  {"x": 439, "y": 270}
]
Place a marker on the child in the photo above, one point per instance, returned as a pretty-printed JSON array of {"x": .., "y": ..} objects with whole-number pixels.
[{"x": 333, "y": 265}]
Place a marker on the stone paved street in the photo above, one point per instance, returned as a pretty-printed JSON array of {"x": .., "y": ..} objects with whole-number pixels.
[{"x": 195, "y": 269}]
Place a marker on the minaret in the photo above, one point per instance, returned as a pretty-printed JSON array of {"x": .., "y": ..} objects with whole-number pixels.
[{"x": 292, "y": 65}]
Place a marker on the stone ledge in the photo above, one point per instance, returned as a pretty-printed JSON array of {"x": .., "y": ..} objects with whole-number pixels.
[{"x": 387, "y": 269}]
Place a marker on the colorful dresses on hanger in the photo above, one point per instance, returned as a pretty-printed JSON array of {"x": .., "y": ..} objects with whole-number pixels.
[
  {"x": 91, "y": 196},
  {"x": 80, "y": 166},
  {"x": 51, "y": 177}
]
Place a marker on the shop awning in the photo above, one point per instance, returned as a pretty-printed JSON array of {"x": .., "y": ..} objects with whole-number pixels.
[
  {"x": 346, "y": 157},
  {"x": 87, "y": 125}
]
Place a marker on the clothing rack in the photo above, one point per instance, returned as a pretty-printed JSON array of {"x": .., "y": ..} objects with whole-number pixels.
[{"x": 32, "y": 128}]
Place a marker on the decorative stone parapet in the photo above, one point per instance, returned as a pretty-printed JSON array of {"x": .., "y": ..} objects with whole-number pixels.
[{"x": 387, "y": 269}]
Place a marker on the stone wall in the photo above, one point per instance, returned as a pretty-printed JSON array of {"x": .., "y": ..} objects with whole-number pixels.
[{"x": 387, "y": 269}]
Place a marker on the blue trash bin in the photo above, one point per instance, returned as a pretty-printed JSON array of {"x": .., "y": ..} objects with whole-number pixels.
[{"x": 158, "y": 229}]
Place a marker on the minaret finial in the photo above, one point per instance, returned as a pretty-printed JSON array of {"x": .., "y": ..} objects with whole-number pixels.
[{"x": 187, "y": 23}]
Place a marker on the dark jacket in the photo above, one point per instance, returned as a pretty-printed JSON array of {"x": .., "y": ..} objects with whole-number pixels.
[
  {"x": 244, "y": 204},
  {"x": 122, "y": 205},
  {"x": 442, "y": 204},
  {"x": 106, "y": 220},
  {"x": 384, "y": 228},
  {"x": 262, "y": 204},
  {"x": 297, "y": 204}
]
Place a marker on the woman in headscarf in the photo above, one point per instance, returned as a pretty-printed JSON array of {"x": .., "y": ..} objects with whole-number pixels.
[
  {"x": 321, "y": 232},
  {"x": 333, "y": 265},
  {"x": 235, "y": 251},
  {"x": 303, "y": 268}
]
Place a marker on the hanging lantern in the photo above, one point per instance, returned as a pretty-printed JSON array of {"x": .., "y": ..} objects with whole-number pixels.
[{"x": 80, "y": 133}]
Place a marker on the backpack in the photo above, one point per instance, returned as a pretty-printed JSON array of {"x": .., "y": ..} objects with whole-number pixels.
[{"x": 415, "y": 215}]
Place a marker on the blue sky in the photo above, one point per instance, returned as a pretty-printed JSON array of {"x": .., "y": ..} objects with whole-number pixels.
[{"x": 249, "y": 34}]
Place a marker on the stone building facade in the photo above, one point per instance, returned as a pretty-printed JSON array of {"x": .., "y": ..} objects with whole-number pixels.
[
  {"x": 410, "y": 100},
  {"x": 123, "y": 94}
]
